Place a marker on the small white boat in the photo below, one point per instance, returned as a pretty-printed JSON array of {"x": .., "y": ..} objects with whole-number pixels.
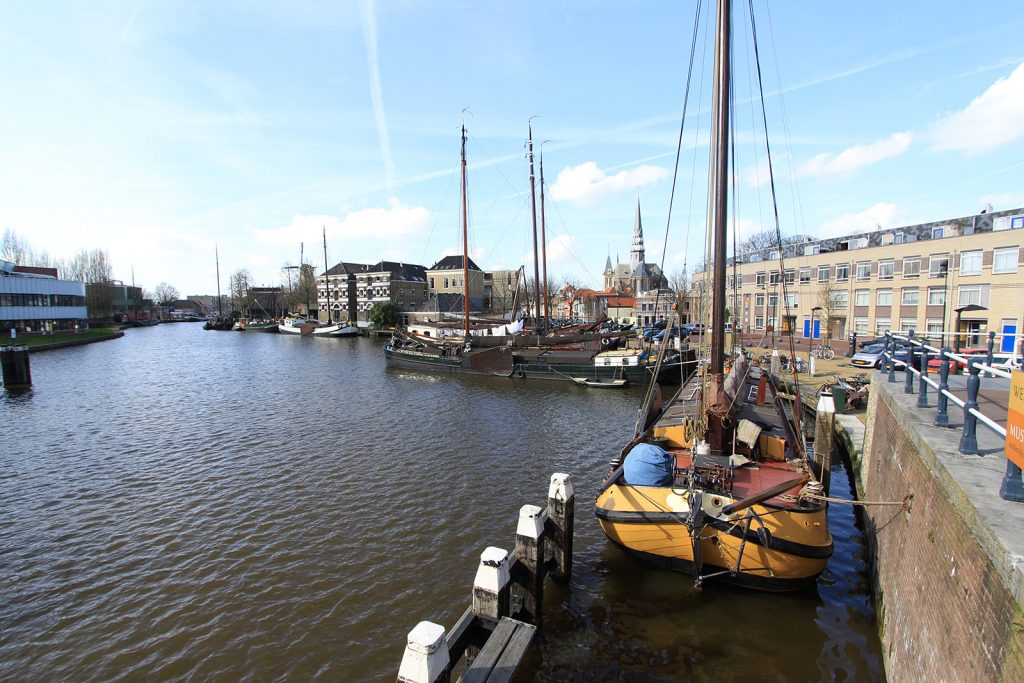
[
  {"x": 297, "y": 326},
  {"x": 598, "y": 383},
  {"x": 336, "y": 330}
]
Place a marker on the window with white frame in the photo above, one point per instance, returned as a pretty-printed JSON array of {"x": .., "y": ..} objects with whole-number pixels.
[
  {"x": 933, "y": 327},
  {"x": 938, "y": 265},
  {"x": 824, "y": 272},
  {"x": 862, "y": 297},
  {"x": 907, "y": 324},
  {"x": 885, "y": 269},
  {"x": 759, "y": 300},
  {"x": 1004, "y": 259},
  {"x": 790, "y": 299},
  {"x": 789, "y": 277},
  {"x": 910, "y": 296},
  {"x": 911, "y": 267},
  {"x": 842, "y": 272},
  {"x": 938, "y": 232},
  {"x": 936, "y": 296},
  {"x": 884, "y": 297},
  {"x": 972, "y": 294},
  {"x": 860, "y": 326},
  {"x": 970, "y": 262},
  {"x": 882, "y": 325},
  {"x": 758, "y": 322},
  {"x": 773, "y": 300},
  {"x": 864, "y": 271},
  {"x": 805, "y": 276},
  {"x": 841, "y": 299},
  {"x": 773, "y": 277},
  {"x": 759, "y": 279}
]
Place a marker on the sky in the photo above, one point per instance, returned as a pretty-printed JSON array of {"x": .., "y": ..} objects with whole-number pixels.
[{"x": 163, "y": 130}]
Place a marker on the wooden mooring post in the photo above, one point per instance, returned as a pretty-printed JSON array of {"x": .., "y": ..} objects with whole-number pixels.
[
  {"x": 17, "y": 370},
  {"x": 492, "y": 635}
]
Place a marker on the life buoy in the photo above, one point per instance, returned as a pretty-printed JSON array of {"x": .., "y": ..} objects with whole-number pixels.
[{"x": 605, "y": 341}]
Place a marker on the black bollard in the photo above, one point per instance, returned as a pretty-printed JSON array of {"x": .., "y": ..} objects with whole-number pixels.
[
  {"x": 969, "y": 438},
  {"x": 942, "y": 416},
  {"x": 16, "y": 368}
]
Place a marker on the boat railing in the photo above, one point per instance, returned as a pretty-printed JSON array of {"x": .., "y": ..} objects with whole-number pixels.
[{"x": 919, "y": 353}]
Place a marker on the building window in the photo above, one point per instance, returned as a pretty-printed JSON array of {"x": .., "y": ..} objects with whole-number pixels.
[
  {"x": 446, "y": 283},
  {"x": 805, "y": 276},
  {"x": 909, "y": 297},
  {"x": 773, "y": 255},
  {"x": 936, "y": 296},
  {"x": 972, "y": 294},
  {"x": 823, "y": 273},
  {"x": 790, "y": 299},
  {"x": 758, "y": 322},
  {"x": 789, "y": 277},
  {"x": 884, "y": 297},
  {"x": 933, "y": 327},
  {"x": 885, "y": 269},
  {"x": 842, "y": 272},
  {"x": 970, "y": 263},
  {"x": 937, "y": 233},
  {"x": 759, "y": 300},
  {"x": 431, "y": 283},
  {"x": 862, "y": 297},
  {"x": 911, "y": 267},
  {"x": 860, "y": 325},
  {"x": 938, "y": 266},
  {"x": 841, "y": 299},
  {"x": 882, "y": 325},
  {"x": 907, "y": 325},
  {"x": 1005, "y": 260},
  {"x": 759, "y": 279},
  {"x": 773, "y": 277},
  {"x": 773, "y": 300},
  {"x": 864, "y": 271}
]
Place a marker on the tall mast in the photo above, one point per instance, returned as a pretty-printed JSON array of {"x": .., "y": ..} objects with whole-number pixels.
[
  {"x": 216, "y": 258},
  {"x": 465, "y": 237},
  {"x": 544, "y": 241},
  {"x": 327, "y": 279},
  {"x": 720, "y": 189},
  {"x": 533, "y": 213}
]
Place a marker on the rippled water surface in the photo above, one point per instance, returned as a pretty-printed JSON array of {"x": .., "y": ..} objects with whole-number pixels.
[{"x": 181, "y": 504}]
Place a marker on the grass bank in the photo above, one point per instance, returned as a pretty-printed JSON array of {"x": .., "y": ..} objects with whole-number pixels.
[{"x": 62, "y": 339}]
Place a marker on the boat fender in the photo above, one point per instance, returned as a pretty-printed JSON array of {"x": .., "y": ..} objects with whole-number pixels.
[
  {"x": 605, "y": 341},
  {"x": 520, "y": 372}
]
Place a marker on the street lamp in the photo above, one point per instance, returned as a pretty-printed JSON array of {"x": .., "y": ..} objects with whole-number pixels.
[{"x": 944, "y": 270}]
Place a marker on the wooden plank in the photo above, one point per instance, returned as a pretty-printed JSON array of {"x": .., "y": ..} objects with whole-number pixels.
[
  {"x": 513, "y": 654},
  {"x": 461, "y": 634},
  {"x": 480, "y": 669}
]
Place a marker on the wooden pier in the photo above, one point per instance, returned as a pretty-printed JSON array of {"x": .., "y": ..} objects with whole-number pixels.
[{"x": 494, "y": 632}]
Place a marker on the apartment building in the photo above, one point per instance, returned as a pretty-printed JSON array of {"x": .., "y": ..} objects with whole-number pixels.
[
  {"x": 359, "y": 286},
  {"x": 910, "y": 278}
]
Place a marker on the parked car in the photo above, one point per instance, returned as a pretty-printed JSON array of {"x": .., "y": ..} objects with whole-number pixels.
[
  {"x": 698, "y": 328},
  {"x": 869, "y": 356},
  {"x": 999, "y": 360}
]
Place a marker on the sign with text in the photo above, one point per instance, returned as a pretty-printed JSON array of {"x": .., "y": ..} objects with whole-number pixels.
[{"x": 1015, "y": 420}]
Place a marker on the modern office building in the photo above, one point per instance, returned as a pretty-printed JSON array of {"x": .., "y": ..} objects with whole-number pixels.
[
  {"x": 34, "y": 300},
  {"x": 962, "y": 274}
]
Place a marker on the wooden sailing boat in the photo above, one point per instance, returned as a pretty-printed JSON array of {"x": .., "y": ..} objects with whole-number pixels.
[
  {"x": 590, "y": 356},
  {"x": 331, "y": 328},
  {"x": 717, "y": 481}
]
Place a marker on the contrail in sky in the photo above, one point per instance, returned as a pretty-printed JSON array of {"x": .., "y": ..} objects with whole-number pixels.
[
  {"x": 370, "y": 35},
  {"x": 124, "y": 32}
]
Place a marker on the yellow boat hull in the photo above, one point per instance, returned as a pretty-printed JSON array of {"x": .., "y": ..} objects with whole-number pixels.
[{"x": 766, "y": 546}]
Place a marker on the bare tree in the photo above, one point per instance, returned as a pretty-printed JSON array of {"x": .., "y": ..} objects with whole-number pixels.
[
  {"x": 831, "y": 299},
  {"x": 241, "y": 290},
  {"x": 166, "y": 294}
]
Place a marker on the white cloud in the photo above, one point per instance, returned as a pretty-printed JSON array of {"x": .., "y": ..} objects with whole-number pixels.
[
  {"x": 852, "y": 159},
  {"x": 994, "y": 118},
  {"x": 586, "y": 184},
  {"x": 1004, "y": 200},
  {"x": 882, "y": 214},
  {"x": 561, "y": 250},
  {"x": 393, "y": 222}
]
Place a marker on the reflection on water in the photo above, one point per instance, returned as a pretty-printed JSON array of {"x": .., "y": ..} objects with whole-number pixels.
[{"x": 188, "y": 504}]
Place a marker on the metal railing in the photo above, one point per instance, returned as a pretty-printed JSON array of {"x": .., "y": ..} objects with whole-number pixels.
[{"x": 1012, "y": 487}]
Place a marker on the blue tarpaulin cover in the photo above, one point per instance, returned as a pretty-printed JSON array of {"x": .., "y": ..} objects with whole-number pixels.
[{"x": 648, "y": 465}]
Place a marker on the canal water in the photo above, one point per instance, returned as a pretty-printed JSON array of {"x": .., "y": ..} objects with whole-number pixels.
[{"x": 181, "y": 504}]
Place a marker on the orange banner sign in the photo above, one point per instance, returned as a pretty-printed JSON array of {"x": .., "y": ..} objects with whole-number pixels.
[{"x": 1015, "y": 420}]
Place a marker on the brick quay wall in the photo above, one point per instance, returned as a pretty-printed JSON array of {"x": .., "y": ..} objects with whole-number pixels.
[{"x": 948, "y": 572}]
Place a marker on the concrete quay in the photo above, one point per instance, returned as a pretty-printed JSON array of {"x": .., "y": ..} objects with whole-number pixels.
[{"x": 948, "y": 572}]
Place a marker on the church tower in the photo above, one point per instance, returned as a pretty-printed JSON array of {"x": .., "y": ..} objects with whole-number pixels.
[
  {"x": 609, "y": 274},
  {"x": 636, "y": 253}
]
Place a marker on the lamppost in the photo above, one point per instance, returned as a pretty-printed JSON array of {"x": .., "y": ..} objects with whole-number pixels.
[{"x": 944, "y": 270}]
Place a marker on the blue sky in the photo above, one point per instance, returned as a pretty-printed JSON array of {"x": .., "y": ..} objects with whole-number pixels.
[{"x": 157, "y": 129}]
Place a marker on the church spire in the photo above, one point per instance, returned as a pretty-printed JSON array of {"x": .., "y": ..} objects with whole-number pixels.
[
  {"x": 608, "y": 263},
  {"x": 636, "y": 254}
]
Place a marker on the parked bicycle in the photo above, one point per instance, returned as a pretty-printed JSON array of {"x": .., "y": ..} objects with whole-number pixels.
[{"x": 823, "y": 352}]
